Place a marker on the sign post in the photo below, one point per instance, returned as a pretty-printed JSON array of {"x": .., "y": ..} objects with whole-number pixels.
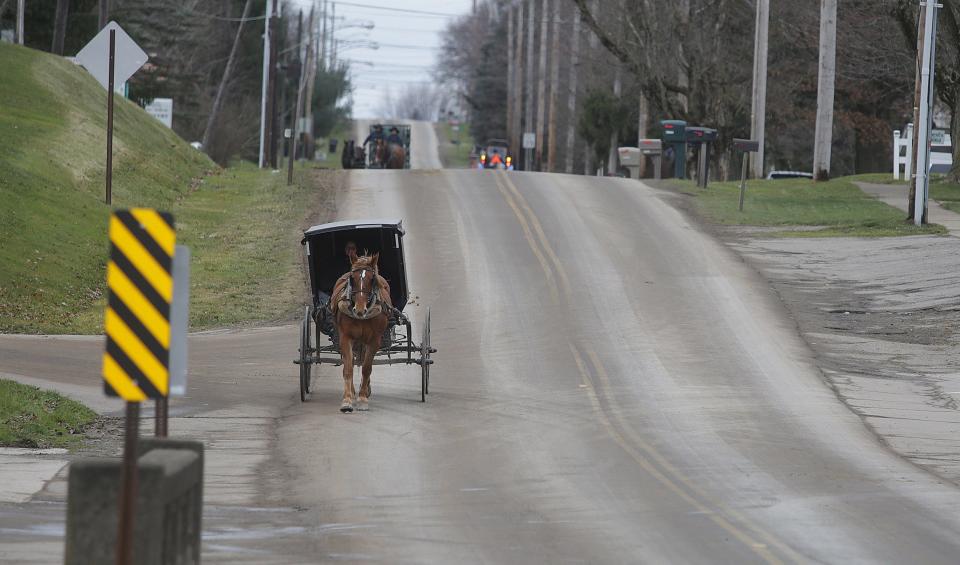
[
  {"x": 529, "y": 144},
  {"x": 745, "y": 146},
  {"x": 111, "y": 56},
  {"x": 138, "y": 328}
]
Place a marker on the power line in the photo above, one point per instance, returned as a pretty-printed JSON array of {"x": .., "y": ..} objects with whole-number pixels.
[{"x": 401, "y": 10}]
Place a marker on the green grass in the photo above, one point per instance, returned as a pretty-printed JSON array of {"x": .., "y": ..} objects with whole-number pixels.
[
  {"x": 241, "y": 223},
  {"x": 945, "y": 192},
  {"x": 876, "y": 178},
  {"x": 53, "y": 219},
  {"x": 341, "y": 133},
  {"x": 837, "y": 205},
  {"x": 30, "y": 417},
  {"x": 454, "y": 155},
  {"x": 243, "y": 228}
]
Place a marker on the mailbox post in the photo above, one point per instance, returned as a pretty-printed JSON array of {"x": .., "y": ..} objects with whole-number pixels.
[
  {"x": 674, "y": 136},
  {"x": 653, "y": 148},
  {"x": 744, "y": 146},
  {"x": 702, "y": 138}
]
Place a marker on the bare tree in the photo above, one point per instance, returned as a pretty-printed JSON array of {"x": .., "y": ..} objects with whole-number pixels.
[
  {"x": 225, "y": 78},
  {"x": 59, "y": 26},
  {"x": 103, "y": 13}
]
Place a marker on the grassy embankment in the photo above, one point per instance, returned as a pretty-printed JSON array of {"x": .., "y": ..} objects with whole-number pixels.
[
  {"x": 454, "y": 155},
  {"x": 30, "y": 417},
  {"x": 837, "y": 207},
  {"x": 241, "y": 223}
]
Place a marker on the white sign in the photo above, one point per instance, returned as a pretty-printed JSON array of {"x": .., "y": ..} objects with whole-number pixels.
[
  {"x": 529, "y": 140},
  {"x": 937, "y": 136},
  {"x": 128, "y": 58},
  {"x": 161, "y": 109}
]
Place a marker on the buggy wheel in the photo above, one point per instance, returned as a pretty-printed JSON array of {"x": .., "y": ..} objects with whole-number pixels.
[
  {"x": 305, "y": 355},
  {"x": 425, "y": 360}
]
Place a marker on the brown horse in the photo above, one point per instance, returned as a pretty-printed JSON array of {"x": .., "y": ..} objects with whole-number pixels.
[
  {"x": 361, "y": 310},
  {"x": 397, "y": 157}
]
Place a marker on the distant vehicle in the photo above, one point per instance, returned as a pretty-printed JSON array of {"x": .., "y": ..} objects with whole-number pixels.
[
  {"x": 496, "y": 155},
  {"x": 772, "y": 175}
]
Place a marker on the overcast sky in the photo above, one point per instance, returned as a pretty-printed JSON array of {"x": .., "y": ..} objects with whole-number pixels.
[{"x": 408, "y": 42}]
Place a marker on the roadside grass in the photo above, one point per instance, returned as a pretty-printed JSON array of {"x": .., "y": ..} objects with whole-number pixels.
[
  {"x": 333, "y": 160},
  {"x": 30, "y": 417},
  {"x": 52, "y": 217},
  {"x": 838, "y": 206},
  {"x": 242, "y": 224},
  {"x": 243, "y": 227},
  {"x": 454, "y": 155},
  {"x": 875, "y": 178},
  {"x": 945, "y": 192}
]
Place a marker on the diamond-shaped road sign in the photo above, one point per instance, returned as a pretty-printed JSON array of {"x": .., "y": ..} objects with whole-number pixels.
[{"x": 95, "y": 56}]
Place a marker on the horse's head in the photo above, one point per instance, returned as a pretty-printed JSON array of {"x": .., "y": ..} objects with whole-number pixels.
[{"x": 363, "y": 282}]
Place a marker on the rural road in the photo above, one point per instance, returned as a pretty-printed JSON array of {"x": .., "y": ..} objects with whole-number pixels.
[{"x": 612, "y": 385}]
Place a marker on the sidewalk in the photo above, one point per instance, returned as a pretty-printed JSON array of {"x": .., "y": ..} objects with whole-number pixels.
[{"x": 896, "y": 196}]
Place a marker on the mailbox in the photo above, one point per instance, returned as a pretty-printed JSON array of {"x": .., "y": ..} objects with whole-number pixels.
[
  {"x": 746, "y": 145},
  {"x": 700, "y": 135},
  {"x": 674, "y": 136},
  {"x": 702, "y": 138},
  {"x": 653, "y": 148},
  {"x": 630, "y": 158}
]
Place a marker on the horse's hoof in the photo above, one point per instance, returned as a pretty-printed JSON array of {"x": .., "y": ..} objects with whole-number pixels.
[
  {"x": 346, "y": 407},
  {"x": 363, "y": 406}
]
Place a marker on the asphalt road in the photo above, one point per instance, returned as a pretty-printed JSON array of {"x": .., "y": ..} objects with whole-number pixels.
[{"x": 611, "y": 386}]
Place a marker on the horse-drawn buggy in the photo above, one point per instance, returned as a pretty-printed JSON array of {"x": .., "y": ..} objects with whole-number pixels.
[
  {"x": 358, "y": 286},
  {"x": 386, "y": 147}
]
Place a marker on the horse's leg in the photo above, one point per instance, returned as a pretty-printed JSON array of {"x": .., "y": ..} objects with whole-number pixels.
[
  {"x": 369, "y": 351},
  {"x": 346, "y": 355}
]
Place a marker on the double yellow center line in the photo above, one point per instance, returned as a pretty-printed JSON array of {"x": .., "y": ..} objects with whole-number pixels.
[{"x": 595, "y": 377}]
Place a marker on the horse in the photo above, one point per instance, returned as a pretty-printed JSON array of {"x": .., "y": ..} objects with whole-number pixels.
[
  {"x": 397, "y": 156},
  {"x": 380, "y": 153},
  {"x": 361, "y": 312}
]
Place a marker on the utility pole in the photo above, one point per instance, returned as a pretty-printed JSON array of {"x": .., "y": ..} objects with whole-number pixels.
[
  {"x": 554, "y": 91},
  {"x": 274, "y": 131},
  {"x": 528, "y": 119},
  {"x": 323, "y": 36},
  {"x": 265, "y": 84},
  {"x": 922, "y": 129},
  {"x": 516, "y": 127},
  {"x": 103, "y": 13},
  {"x": 333, "y": 35},
  {"x": 912, "y": 196},
  {"x": 572, "y": 93},
  {"x": 511, "y": 69},
  {"x": 20, "y": 9},
  {"x": 758, "y": 112},
  {"x": 823, "y": 139},
  {"x": 301, "y": 92},
  {"x": 310, "y": 144},
  {"x": 613, "y": 156},
  {"x": 542, "y": 84}
]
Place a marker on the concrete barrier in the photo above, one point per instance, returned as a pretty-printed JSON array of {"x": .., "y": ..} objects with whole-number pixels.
[{"x": 169, "y": 506}]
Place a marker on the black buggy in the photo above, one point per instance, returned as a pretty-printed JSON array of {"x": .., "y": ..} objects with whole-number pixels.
[{"x": 326, "y": 260}]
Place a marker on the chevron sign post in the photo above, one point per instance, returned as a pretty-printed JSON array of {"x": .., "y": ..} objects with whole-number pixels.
[{"x": 141, "y": 340}]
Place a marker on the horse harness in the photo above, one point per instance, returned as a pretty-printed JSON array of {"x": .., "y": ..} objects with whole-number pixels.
[{"x": 346, "y": 302}]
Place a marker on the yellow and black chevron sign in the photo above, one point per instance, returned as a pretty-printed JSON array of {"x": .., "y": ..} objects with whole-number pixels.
[{"x": 139, "y": 293}]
